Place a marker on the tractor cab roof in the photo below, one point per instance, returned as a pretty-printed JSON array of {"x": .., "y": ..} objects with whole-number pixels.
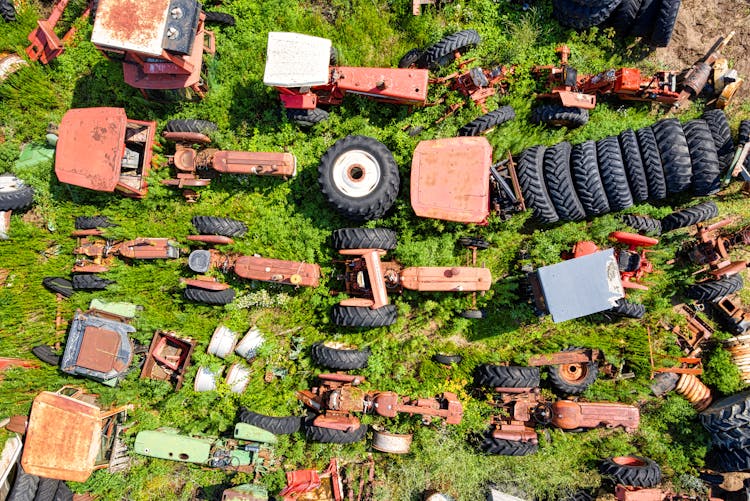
[
  {"x": 91, "y": 147},
  {"x": 296, "y": 60},
  {"x": 450, "y": 179}
]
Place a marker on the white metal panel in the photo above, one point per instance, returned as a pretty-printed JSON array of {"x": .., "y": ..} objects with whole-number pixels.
[
  {"x": 296, "y": 60},
  {"x": 131, "y": 26}
]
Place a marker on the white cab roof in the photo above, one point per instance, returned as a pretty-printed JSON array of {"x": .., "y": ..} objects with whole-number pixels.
[
  {"x": 132, "y": 26},
  {"x": 296, "y": 60}
]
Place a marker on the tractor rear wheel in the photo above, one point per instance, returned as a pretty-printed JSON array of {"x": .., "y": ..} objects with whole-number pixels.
[
  {"x": 644, "y": 22},
  {"x": 359, "y": 316},
  {"x": 632, "y": 471},
  {"x": 735, "y": 459},
  {"x": 625, "y": 308},
  {"x": 306, "y": 118},
  {"x": 624, "y": 15},
  {"x": 92, "y": 222},
  {"x": 207, "y": 296},
  {"x": 364, "y": 238},
  {"x": 25, "y": 486},
  {"x": 64, "y": 493},
  {"x": 46, "y": 354},
  {"x": 573, "y": 379},
  {"x": 7, "y": 11},
  {"x": 359, "y": 177},
  {"x": 531, "y": 178},
  {"x": 46, "y": 489},
  {"x": 487, "y": 122},
  {"x": 502, "y": 447},
  {"x": 719, "y": 126},
  {"x": 689, "y": 216},
  {"x": 334, "y": 356},
  {"x": 727, "y": 414},
  {"x": 219, "y": 18},
  {"x": 276, "y": 425},
  {"x": 645, "y": 224},
  {"x": 90, "y": 282},
  {"x": 224, "y": 226},
  {"x": 190, "y": 125},
  {"x": 706, "y": 167},
  {"x": 631, "y": 157},
  {"x": 58, "y": 285},
  {"x": 506, "y": 376},
  {"x": 664, "y": 22},
  {"x": 560, "y": 116},
  {"x": 715, "y": 289},
  {"x": 331, "y": 436},
  {"x": 413, "y": 58},
  {"x": 657, "y": 186},
  {"x": 560, "y": 183},
  {"x": 675, "y": 154},
  {"x": 612, "y": 172},
  {"x": 14, "y": 193},
  {"x": 573, "y": 14},
  {"x": 443, "y": 52},
  {"x": 584, "y": 169}
]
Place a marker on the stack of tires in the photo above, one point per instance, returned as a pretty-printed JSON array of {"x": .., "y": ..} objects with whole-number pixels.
[
  {"x": 653, "y": 20},
  {"x": 568, "y": 182},
  {"x": 728, "y": 422}
]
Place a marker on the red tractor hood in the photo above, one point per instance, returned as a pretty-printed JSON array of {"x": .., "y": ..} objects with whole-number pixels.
[{"x": 90, "y": 147}]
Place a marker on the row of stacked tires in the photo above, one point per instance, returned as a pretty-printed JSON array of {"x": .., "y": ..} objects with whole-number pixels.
[
  {"x": 653, "y": 20},
  {"x": 728, "y": 423},
  {"x": 567, "y": 182}
]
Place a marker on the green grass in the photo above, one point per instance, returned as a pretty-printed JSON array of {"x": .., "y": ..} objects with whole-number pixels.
[{"x": 290, "y": 220}]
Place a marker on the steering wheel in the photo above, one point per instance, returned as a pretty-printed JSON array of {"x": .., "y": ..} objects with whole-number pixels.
[{"x": 542, "y": 413}]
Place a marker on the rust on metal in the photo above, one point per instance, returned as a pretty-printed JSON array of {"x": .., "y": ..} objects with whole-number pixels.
[
  {"x": 582, "y": 356},
  {"x": 277, "y": 270},
  {"x": 455, "y": 279},
  {"x": 99, "y": 349},
  {"x": 131, "y": 25}
]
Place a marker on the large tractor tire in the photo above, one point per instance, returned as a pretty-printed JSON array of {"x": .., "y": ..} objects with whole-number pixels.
[
  {"x": 657, "y": 185},
  {"x": 581, "y": 16},
  {"x": 191, "y": 125},
  {"x": 207, "y": 296},
  {"x": 719, "y": 127},
  {"x": 24, "y": 487},
  {"x": 502, "y": 447},
  {"x": 331, "y": 436},
  {"x": 729, "y": 413},
  {"x": 7, "y": 11},
  {"x": 675, "y": 154},
  {"x": 573, "y": 379},
  {"x": 729, "y": 460},
  {"x": 624, "y": 16},
  {"x": 213, "y": 16},
  {"x": 341, "y": 359},
  {"x": 636, "y": 173},
  {"x": 487, "y": 122},
  {"x": 358, "y": 316},
  {"x": 531, "y": 178},
  {"x": 14, "y": 193},
  {"x": 46, "y": 489},
  {"x": 443, "y": 52},
  {"x": 89, "y": 282},
  {"x": 632, "y": 471},
  {"x": 306, "y": 118},
  {"x": 560, "y": 183},
  {"x": 364, "y": 238},
  {"x": 63, "y": 492},
  {"x": 664, "y": 22},
  {"x": 612, "y": 172},
  {"x": 706, "y": 178},
  {"x": 625, "y": 308},
  {"x": 506, "y": 376},
  {"x": 715, "y": 289},
  {"x": 558, "y": 115},
  {"x": 689, "y": 216},
  {"x": 276, "y": 425},
  {"x": 224, "y": 226},
  {"x": 644, "y": 22},
  {"x": 359, "y": 177},
  {"x": 644, "y": 224},
  {"x": 585, "y": 172},
  {"x": 732, "y": 438},
  {"x": 92, "y": 222}
]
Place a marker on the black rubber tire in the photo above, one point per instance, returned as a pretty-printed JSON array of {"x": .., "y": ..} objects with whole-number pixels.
[
  {"x": 89, "y": 282},
  {"x": 625, "y": 308},
  {"x": 675, "y": 155},
  {"x": 663, "y": 383},
  {"x": 560, "y": 184},
  {"x": 224, "y": 226},
  {"x": 733, "y": 438},
  {"x": 208, "y": 296},
  {"x": 624, "y": 16},
  {"x": 306, "y": 118},
  {"x": 356, "y": 316},
  {"x": 689, "y": 216},
  {"x": 25, "y": 486},
  {"x": 441, "y": 358},
  {"x": 364, "y": 238},
  {"x": 474, "y": 242},
  {"x": 572, "y": 14},
  {"x": 706, "y": 178},
  {"x": 502, "y": 447},
  {"x": 715, "y": 289},
  {"x": 330, "y": 436},
  {"x": 587, "y": 376},
  {"x": 333, "y": 58},
  {"x": 46, "y": 489},
  {"x": 727, "y": 414},
  {"x": 647, "y": 474},
  {"x": 63, "y": 492},
  {"x": 643, "y": 224},
  {"x": 729, "y": 460},
  {"x": 339, "y": 359},
  {"x": 719, "y": 126},
  {"x": 558, "y": 115},
  {"x": 487, "y": 122},
  {"x": 506, "y": 376},
  {"x": 190, "y": 125},
  {"x": 581, "y": 495},
  {"x": 631, "y": 158},
  {"x": 46, "y": 354},
  {"x": 213, "y": 16},
  {"x": 585, "y": 173},
  {"x": 644, "y": 22},
  {"x": 441, "y": 53},
  {"x": 664, "y": 22},
  {"x": 92, "y": 222},
  {"x": 7, "y": 11},
  {"x": 413, "y": 58},
  {"x": 58, "y": 285},
  {"x": 530, "y": 170},
  {"x": 657, "y": 185},
  {"x": 612, "y": 172},
  {"x": 743, "y": 134},
  {"x": 333, "y": 174},
  {"x": 276, "y": 425},
  {"x": 17, "y": 195}
]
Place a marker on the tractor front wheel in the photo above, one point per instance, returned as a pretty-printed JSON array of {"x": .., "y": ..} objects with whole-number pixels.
[
  {"x": 715, "y": 289},
  {"x": 413, "y": 58},
  {"x": 364, "y": 238},
  {"x": 487, "y": 122},
  {"x": 632, "y": 471},
  {"x": 573, "y": 379},
  {"x": 502, "y": 447},
  {"x": 560, "y": 116},
  {"x": 331, "y": 436},
  {"x": 46, "y": 354},
  {"x": 625, "y": 308},
  {"x": 7, "y": 11},
  {"x": 359, "y": 316},
  {"x": 190, "y": 125},
  {"x": 306, "y": 118},
  {"x": 336, "y": 356},
  {"x": 208, "y": 296},
  {"x": 444, "y": 51},
  {"x": 14, "y": 193},
  {"x": 224, "y": 226}
]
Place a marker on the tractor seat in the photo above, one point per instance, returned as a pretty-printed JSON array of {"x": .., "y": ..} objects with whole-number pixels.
[
  {"x": 570, "y": 76},
  {"x": 478, "y": 77},
  {"x": 296, "y": 60},
  {"x": 199, "y": 261},
  {"x": 629, "y": 261}
]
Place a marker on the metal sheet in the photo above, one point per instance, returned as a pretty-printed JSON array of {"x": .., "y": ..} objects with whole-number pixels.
[
  {"x": 581, "y": 286},
  {"x": 296, "y": 60},
  {"x": 131, "y": 25}
]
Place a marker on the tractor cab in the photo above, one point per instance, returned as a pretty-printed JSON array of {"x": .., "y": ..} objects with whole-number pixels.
[{"x": 103, "y": 150}]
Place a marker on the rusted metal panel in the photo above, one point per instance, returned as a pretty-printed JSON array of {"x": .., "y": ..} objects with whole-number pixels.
[
  {"x": 565, "y": 357},
  {"x": 168, "y": 357},
  {"x": 450, "y": 179},
  {"x": 570, "y": 415},
  {"x": 457, "y": 279},
  {"x": 257, "y": 163},
  {"x": 131, "y": 25},
  {"x": 91, "y": 147},
  {"x": 628, "y": 80},
  {"x": 63, "y": 438},
  {"x": 399, "y": 85},
  {"x": 277, "y": 270},
  {"x": 149, "y": 248},
  {"x": 99, "y": 349},
  {"x": 577, "y": 100}
]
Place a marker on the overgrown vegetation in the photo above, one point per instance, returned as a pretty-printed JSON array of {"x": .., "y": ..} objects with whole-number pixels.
[{"x": 290, "y": 220}]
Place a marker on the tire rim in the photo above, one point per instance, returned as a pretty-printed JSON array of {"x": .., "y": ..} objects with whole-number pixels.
[
  {"x": 356, "y": 173},
  {"x": 628, "y": 461},
  {"x": 9, "y": 184},
  {"x": 574, "y": 373}
]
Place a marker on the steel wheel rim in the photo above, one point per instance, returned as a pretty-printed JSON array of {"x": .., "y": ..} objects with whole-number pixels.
[
  {"x": 10, "y": 183},
  {"x": 356, "y": 173},
  {"x": 574, "y": 373}
]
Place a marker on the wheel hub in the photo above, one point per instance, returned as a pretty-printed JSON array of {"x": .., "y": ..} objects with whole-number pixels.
[
  {"x": 356, "y": 173},
  {"x": 573, "y": 373}
]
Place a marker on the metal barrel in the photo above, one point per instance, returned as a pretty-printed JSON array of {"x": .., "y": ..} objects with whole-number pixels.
[
  {"x": 697, "y": 78},
  {"x": 237, "y": 377},
  {"x": 205, "y": 379},
  {"x": 222, "y": 342}
]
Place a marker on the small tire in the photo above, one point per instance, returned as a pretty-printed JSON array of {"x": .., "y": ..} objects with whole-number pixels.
[
  {"x": 689, "y": 216},
  {"x": 441, "y": 358},
  {"x": 224, "y": 226},
  {"x": 331, "y": 436},
  {"x": 191, "y": 125},
  {"x": 560, "y": 183},
  {"x": 557, "y": 115},
  {"x": 719, "y": 126},
  {"x": 573, "y": 379},
  {"x": 612, "y": 172},
  {"x": 58, "y": 285},
  {"x": 89, "y": 282},
  {"x": 92, "y": 222},
  {"x": 631, "y": 157},
  {"x": 15, "y": 195},
  {"x": 442, "y": 53},
  {"x": 7, "y": 11},
  {"x": 46, "y": 354},
  {"x": 487, "y": 122},
  {"x": 645, "y": 224},
  {"x": 506, "y": 376},
  {"x": 706, "y": 178},
  {"x": 358, "y": 316},
  {"x": 625, "y": 308},
  {"x": 213, "y": 16},
  {"x": 364, "y": 238},
  {"x": 359, "y": 177},
  {"x": 502, "y": 447},
  {"x": 588, "y": 183},
  {"x": 306, "y": 118},
  {"x": 276, "y": 425},
  {"x": 664, "y": 22},
  {"x": 338, "y": 358},
  {"x": 715, "y": 289},
  {"x": 412, "y": 59},
  {"x": 632, "y": 471},
  {"x": 531, "y": 178},
  {"x": 24, "y": 487},
  {"x": 207, "y": 296},
  {"x": 664, "y": 382}
]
